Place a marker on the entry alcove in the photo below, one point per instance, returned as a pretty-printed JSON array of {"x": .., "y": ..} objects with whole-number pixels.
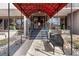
[{"x": 38, "y": 20}]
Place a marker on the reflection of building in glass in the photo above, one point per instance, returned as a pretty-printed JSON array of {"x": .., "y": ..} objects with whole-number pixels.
[{"x": 33, "y": 22}]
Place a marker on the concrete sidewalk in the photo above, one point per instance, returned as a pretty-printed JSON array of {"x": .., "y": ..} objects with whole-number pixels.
[
  {"x": 43, "y": 48},
  {"x": 40, "y": 47}
]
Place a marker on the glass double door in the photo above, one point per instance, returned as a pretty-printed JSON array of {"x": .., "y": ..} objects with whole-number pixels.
[
  {"x": 38, "y": 30},
  {"x": 38, "y": 22}
]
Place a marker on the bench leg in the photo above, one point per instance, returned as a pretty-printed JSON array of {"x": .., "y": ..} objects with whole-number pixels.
[
  {"x": 54, "y": 50},
  {"x": 63, "y": 50}
]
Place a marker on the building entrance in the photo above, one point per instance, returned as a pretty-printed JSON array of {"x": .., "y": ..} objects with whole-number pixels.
[
  {"x": 38, "y": 22},
  {"x": 37, "y": 30}
]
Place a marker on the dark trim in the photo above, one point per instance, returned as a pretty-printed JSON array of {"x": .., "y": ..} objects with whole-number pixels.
[
  {"x": 21, "y": 25},
  {"x": 71, "y": 19},
  {"x": 8, "y": 29}
]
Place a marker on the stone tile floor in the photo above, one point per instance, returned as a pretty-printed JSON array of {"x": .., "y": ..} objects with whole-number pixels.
[{"x": 43, "y": 48}]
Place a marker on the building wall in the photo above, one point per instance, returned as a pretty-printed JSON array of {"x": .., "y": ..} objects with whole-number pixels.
[{"x": 75, "y": 21}]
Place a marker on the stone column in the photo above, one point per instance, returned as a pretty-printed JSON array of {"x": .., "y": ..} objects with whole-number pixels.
[{"x": 25, "y": 26}]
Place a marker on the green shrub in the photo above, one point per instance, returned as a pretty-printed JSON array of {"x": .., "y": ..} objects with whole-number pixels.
[
  {"x": 76, "y": 45},
  {"x": 3, "y": 42}
]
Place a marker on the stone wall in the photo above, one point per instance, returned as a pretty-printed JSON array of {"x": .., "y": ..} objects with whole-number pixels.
[{"x": 75, "y": 21}]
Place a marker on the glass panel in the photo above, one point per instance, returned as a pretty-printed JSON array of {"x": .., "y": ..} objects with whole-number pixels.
[
  {"x": 62, "y": 30},
  {"x": 60, "y": 35},
  {"x": 3, "y": 29},
  {"x": 16, "y": 30},
  {"x": 75, "y": 30}
]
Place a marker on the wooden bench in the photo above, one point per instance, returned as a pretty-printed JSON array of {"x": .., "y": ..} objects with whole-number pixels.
[{"x": 56, "y": 40}]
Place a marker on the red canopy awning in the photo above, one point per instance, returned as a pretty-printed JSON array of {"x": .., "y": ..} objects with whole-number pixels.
[{"x": 49, "y": 8}]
